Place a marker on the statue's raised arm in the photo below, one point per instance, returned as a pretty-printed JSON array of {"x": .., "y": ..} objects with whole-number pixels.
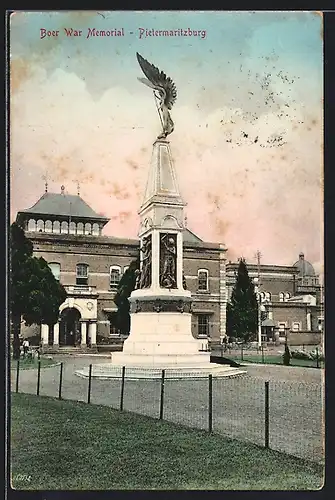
[{"x": 164, "y": 90}]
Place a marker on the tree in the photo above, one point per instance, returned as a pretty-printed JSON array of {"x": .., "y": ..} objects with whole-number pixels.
[
  {"x": 125, "y": 287},
  {"x": 242, "y": 309},
  {"x": 35, "y": 295},
  {"x": 286, "y": 355}
]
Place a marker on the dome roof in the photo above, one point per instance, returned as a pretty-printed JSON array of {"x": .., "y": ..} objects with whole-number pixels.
[{"x": 305, "y": 267}]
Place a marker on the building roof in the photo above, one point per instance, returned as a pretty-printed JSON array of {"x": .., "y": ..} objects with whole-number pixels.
[
  {"x": 268, "y": 322},
  {"x": 305, "y": 268},
  {"x": 190, "y": 237},
  {"x": 63, "y": 204}
]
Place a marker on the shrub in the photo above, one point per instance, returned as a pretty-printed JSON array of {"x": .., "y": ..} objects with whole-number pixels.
[{"x": 286, "y": 356}]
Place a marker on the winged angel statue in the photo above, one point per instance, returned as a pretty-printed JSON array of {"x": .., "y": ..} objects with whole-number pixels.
[{"x": 164, "y": 91}]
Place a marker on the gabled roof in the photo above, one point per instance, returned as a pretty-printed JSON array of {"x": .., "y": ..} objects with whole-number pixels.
[
  {"x": 190, "y": 237},
  {"x": 63, "y": 204}
]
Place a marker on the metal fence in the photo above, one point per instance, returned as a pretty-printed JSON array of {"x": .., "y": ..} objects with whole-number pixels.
[{"x": 281, "y": 415}]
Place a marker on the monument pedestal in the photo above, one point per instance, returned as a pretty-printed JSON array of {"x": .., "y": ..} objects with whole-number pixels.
[{"x": 161, "y": 331}]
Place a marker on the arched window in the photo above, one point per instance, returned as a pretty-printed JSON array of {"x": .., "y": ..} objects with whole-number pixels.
[
  {"x": 40, "y": 226},
  {"x": 48, "y": 226},
  {"x": 114, "y": 276},
  {"x": 88, "y": 228},
  {"x": 64, "y": 228},
  {"x": 281, "y": 297},
  {"x": 55, "y": 268},
  {"x": 80, "y": 228},
  {"x": 56, "y": 227},
  {"x": 268, "y": 296},
  {"x": 95, "y": 229},
  {"x": 203, "y": 280},
  {"x": 32, "y": 225},
  {"x": 72, "y": 228},
  {"x": 262, "y": 295},
  {"x": 82, "y": 274},
  {"x": 287, "y": 295}
]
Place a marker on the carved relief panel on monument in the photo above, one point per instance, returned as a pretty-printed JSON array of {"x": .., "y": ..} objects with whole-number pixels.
[
  {"x": 168, "y": 260},
  {"x": 144, "y": 277}
]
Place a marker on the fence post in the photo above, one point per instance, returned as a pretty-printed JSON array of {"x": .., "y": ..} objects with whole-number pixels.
[
  {"x": 60, "y": 381},
  {"x": 210, "y": 403},
  {"x": 89, "y": 384},
  {"x": 161, "y": 408},
  {"x": 122, "y": 388},
  {"x": 266, "y": 414},
  {"x": 17, "y": 375},
  {"x": 317, "y": 357},
  {"x": 241, "y": 352},
  {"x": 38, "y": 377},
  {"x": 262, "y": 347}
]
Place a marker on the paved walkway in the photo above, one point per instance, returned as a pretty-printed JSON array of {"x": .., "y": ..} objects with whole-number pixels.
[{"x": 295, "y": 396}]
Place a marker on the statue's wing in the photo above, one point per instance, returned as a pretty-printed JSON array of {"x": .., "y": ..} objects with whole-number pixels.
[{"x": 159, "y": 79}]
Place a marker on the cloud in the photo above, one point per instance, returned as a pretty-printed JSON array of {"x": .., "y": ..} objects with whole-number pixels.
[{"x": 247, "y": 194}]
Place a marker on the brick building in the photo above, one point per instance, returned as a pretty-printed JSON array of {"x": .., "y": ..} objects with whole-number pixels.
[
  {"x": 290, "y": 298},
  {"x": 67, "y": 233}
]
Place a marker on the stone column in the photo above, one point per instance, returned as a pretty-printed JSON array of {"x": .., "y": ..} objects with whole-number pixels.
[
  {"x": 180, "y": 260},
  {"x": 309, "y": 321},
  {"x": 83, "y": 333},
  {"x": 93, "y": 333},
  {"x": 56, "y": 334},
  {"x": 155, "y": 259},
  {"x": 45, "y": 334}
]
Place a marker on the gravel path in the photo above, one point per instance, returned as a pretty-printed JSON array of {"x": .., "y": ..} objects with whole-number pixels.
[{"x": 295, "y": 396}]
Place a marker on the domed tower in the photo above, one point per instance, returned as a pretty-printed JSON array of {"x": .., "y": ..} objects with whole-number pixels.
[{"x": 307, "y": 279}]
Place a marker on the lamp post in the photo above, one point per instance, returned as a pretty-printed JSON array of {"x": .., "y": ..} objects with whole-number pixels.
[{"x": 259, "y": 312}]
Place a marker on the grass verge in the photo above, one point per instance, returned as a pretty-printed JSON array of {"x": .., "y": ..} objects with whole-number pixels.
[
  {"x": 275, "y": 360},
  {"x": 67, "y": 445},
  {"x": 31, "y": 363}
]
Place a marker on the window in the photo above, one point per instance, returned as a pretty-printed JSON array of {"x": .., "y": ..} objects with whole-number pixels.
[
  {"x": 114, "y": 276},
  {"x": 203, "y": 279},
  {"x": 64, "y": 227},
  {"x": 56, "y": 227},
  {"x": 113, "y": 330},
  {"x": 88, "y": 228},
  {"x": 32, "y": 225},
  {"x": 40, "y": 226},
  {"x": 72, "y": 228},
  {"x": 262, "y": 296},
  {"x": 82, "y": 274},
  {"x": 95, "y": 229},
  {"x": 287, "y": 296},
  {"x": 55, "y": 268},
  {"x": 125, "y": 268},
  {"x": 80, "y": 228},
  {"x": 48, "y": 226},
  {"x": 296, "y": 326},
  {"x": 268, "y": 296},
  {"x": 281, "y": 327},
  {"x": 281, "y": 297},
  {"x": 203, "y": 325}
]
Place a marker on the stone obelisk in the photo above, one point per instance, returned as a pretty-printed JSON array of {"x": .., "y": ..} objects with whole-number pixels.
[{"x": 161, "y": 312}]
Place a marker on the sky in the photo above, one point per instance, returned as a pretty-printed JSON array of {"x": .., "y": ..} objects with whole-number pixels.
[{"x": 248, "y": 138}]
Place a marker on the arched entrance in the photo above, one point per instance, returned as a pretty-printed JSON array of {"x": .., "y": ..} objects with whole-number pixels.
[{"x": 69, "y": 327}]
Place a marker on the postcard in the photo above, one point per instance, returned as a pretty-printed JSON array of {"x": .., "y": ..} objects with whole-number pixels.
[{"x": 166, "y": 318}]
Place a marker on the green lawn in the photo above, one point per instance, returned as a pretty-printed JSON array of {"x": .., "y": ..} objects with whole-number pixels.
[
  {"x": 274, "y": 360},
  {"x": 29, "y": 363},
  {"x": 73, "y": 445}
]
